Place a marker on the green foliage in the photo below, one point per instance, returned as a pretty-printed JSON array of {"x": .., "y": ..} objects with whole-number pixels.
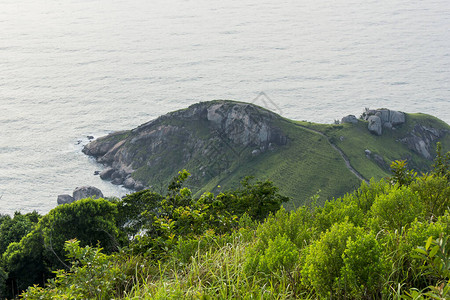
[
  {"x": 401, "y": 174},
  {"x": 396, "y": 209},
  {"x": 13, "y": 229},
  {"x": 365, "y": 195},
  {"x": 433, "y": 192},
  {"x": 239, "y": 244},
  {"x": 324, "y": 261},
  {"x": 180, "y": 215},
  {"x": 30, "y": 260},
  {"x": 436, "y": 267},
  {"x": 337, "y": 210},
  {"x": 25, "y": 263},
  {"x": 91, "y": 221},
  {"x": 257, "y": 200},
  {"x": 280, "y": 255},
  {"x": 441, "y": 164},
  {"x": 133, "y": 210},
  {"x": 93, "y": 275},
  {"x": 364, "y": 268}
]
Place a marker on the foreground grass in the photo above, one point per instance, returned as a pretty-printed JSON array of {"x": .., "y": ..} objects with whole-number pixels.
[{"x": 216, "y": 273}]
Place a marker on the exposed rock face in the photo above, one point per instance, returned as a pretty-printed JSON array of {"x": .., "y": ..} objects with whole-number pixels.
[
  {"x": 180, "y": 137},
  {"x": 421, "y": 139},
  {"x": 64, "y": 199},
  {"x": 375, "y": 125},
  {"x": 388, "y": 119},
  {"x": 87, "y": 192},
  {"x": 349, "y": 119}
]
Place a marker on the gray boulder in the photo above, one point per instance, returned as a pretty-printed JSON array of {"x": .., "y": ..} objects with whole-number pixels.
[
  {"x": 87, "y": 192},
  {"x": 349, "y": 119},
  {"x": 65, "y": 199},
  {"x": 117, "y": 181},
  {"x": 375, "y": 126},
  {"x": 129, "y": 183},
  {"x": 397, "y": 118},
  {"x": 106, "y": 173}
]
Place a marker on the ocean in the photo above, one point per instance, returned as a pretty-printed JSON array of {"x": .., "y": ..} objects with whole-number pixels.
[{"x": 74, "y": 68}]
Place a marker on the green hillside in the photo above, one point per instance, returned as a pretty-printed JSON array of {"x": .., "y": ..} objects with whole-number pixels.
[{"x": 221, "y": 142}]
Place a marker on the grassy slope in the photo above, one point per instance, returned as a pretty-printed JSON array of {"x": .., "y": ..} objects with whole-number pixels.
[{"x": 300, "y": 169}]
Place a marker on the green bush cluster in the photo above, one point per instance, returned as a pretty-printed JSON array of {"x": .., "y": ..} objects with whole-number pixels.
[{"x": 386, "y": 240}]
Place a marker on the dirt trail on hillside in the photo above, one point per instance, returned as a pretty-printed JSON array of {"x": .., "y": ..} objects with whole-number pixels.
[{"x": 344, "y": 157}]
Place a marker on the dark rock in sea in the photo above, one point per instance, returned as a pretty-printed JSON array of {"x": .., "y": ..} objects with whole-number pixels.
[
  {"x": 106, "y": 173},
  {"x": 87, "y": 192},
  {"x": 117, "y": 181},
  {"x": 65, "y": 199},
  {"x": 90, "y": 137},
  {"x": 129, "y": 183},
  {"x": 96, "y": 172}
]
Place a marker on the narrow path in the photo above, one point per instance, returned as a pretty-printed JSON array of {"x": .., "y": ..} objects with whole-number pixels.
[{"x": 344, "y": 157}]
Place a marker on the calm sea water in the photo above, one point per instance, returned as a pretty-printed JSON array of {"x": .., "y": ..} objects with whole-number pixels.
[{"x": 70, "y": 68}]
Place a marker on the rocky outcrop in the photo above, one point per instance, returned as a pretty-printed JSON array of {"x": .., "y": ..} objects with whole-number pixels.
[
  {"x": 64, "y": 199},
  {"x": 421, "y": 139},
  {"x": 349, "y": 119},
  {"x": 375, "y": 125},
  {"x": 177, "y": 139},
  {"x": 86, "y": 192},
  {"x": 383, "y": 118},
  {"x": 80, "y": 193}
]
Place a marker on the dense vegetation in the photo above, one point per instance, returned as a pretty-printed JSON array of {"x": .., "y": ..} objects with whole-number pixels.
[{"x": 388, "y": 239}]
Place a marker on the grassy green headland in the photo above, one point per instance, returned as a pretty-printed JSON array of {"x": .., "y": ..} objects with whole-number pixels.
[{"x": 307, "y": 164}]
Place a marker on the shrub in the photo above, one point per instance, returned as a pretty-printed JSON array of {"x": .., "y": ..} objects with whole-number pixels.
[
  {"x": 93, "y": 275},
  {"x": 396, "y": 209},
  {"x": 364, "y": 267},
  {"x": 323, "y": 264},
  {"x": 434, "y": 193},
  {"x": 280, "y": 255}
]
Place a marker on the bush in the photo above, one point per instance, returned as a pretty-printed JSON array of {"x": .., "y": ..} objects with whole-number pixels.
[
  {"x": 364, "y": 267},
  {"x": 280, "y": 255},
  {"x": 434, "y": 193},
  {"x": 93, "y": 275},
  {"x": 324, "y": 260},
  {"x": 396, "y": 209}
]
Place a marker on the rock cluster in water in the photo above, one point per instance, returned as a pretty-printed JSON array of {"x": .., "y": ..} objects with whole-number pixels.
[{"x": 80, "y": 193}]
